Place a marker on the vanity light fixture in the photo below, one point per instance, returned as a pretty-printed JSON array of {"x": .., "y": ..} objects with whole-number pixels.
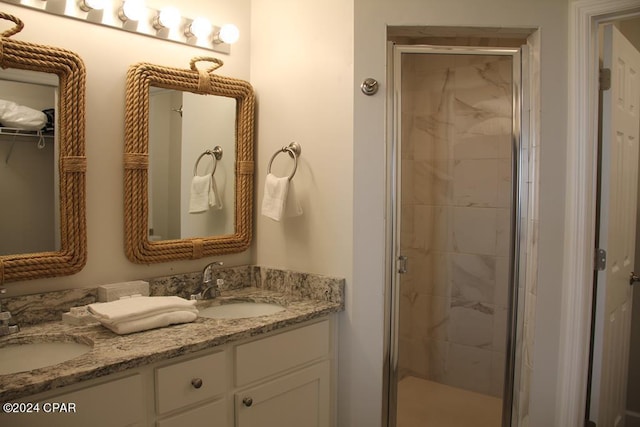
[
  {"x": 132, "y": 10},
  {"x": 134, "y": 16},
  {"x": 229, "y": 34},
  {"x": 199, "y": 28},
  {"x": 89, "y": 5},
  {"x": 167, "y": 17}
]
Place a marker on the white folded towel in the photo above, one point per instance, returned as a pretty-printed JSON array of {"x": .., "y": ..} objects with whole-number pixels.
[
  {"x": 275, "y": 196},
  {"x": 139, "y": 307},
  {"x": 199, "y": 199},
  {"x": 151, "y": 322}
]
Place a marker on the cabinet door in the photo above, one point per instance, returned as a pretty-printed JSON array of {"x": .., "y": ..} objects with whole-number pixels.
[
  {"x": 294, "y": 400},
  {"x": 116, "y": 403}
]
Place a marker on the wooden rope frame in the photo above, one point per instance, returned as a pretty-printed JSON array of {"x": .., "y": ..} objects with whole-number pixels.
[
  {"x": 72, "y": 163},
  {"x": 136, "y": 166}
]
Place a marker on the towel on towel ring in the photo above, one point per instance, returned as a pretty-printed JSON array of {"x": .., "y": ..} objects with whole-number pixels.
[
  {"x": 279, "y": 199},
  {"x": 204, "y": 194}
]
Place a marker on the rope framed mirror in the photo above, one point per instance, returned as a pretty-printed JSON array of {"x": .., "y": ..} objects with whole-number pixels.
[
  {"x": 70, "y": 253},
  {"x": 141, "y": 78}
]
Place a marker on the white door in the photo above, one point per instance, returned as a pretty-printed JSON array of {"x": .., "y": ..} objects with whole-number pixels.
[{"x": 620, "y": 126}]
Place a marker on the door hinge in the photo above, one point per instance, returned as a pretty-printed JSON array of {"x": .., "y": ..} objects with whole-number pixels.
[
  {"x": 605, "y": 79},
  {"x": 601, "y": 260},
  {"x": 402, "y": 264}
]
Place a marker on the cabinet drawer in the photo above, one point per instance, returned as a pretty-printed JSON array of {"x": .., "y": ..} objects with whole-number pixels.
[
  {"x": 212, "y": 414},
  {"x": 271, "y": 355},
  {"x": 191, "y": 381}
]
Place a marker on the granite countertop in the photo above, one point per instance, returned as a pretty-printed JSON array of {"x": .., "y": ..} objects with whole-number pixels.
[{"x": 112, "y": 353}]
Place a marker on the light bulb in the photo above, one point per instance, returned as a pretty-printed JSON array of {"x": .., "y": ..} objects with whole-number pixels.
[
  {"x": 229, "y": 33},
  {"x": 132, "y": 10},
  {"x": 168, "y": 17},
  {"x": 200, "y": 28},
  {"x": 89, "y": 5}
]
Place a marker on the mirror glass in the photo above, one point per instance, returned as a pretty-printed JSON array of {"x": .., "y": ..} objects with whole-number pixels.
[
  {"x": 183, "y": 126},
  {"x": 42, "y": 159},
  {"x": 28, "y": 155}
]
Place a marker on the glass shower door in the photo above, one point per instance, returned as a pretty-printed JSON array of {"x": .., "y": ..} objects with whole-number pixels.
[{"x": 455, "y": 197}]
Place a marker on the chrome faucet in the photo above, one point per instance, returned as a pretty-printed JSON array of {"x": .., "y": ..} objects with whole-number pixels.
[
  {"x": 208, "y": 286},
  {"x": 6, "y": 327}
]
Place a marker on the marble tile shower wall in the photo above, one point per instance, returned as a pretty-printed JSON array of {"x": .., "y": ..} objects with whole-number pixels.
[{"x": 456, "y": 189}]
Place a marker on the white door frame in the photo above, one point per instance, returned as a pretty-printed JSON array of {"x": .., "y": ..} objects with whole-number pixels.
[{"x": 575, "y": 327}]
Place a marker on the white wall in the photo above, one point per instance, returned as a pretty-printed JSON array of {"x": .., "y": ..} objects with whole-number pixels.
[
  {"x": 107, "y": 54},
  {"x": 301, "y": 68},
  {"x": 366, "y": 294}
]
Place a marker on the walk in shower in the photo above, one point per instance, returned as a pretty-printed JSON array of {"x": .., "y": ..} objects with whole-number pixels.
[{"x": 456, "y": 192}]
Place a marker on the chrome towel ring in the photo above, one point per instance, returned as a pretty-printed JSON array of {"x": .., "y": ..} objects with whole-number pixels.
[
  {"x": 216, "y": 155},
  {"x": 294, "y": 151}
]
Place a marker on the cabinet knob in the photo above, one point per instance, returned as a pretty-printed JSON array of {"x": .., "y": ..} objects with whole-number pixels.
[
  {"x": 196, "y": 382},
  {"x": 247, "y": 401}
]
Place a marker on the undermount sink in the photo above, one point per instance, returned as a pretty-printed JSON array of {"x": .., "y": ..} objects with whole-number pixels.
[
  {"x": 17, "y": 356},
  {"x": 239, "y": 310}
]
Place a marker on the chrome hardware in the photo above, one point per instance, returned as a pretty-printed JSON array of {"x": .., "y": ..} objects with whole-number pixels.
[
  {"x": 402, "y": 264},
  {"x": 207, "y": 286},
  {"x": 601, "y": 260},
  {"x": 6, "y": 327},
  {"x": 247, "y": 401},
  {"x": 196, "y": 382},
  {"x": 369, "y": 86},
  {"x": 633, "y": 279},
  {"x": 216, "y": 154},
  {"x": 294, "y": 150}
]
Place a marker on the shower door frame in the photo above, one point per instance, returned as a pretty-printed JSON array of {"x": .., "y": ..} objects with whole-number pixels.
[{"x": 521, "y": 214}]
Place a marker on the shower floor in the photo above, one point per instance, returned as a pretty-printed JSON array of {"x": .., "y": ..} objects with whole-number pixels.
[{"x": 423, "y": 403}]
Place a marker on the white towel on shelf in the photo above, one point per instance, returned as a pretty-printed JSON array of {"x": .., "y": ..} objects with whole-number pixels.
[
  {"x": 201, "y": 189},
  {"x": 139, "y": 307},
  {"x": 275, "y": 196},
  {"x": 160, "y": 320},
  {"x": 292, "y": 205}
]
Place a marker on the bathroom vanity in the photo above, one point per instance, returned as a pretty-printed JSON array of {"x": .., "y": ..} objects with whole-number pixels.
[
  {"x": 282, "y": 379},
  {"x": 274, "y": 370}
]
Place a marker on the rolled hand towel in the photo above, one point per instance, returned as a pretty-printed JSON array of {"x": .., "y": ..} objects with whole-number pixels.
[
  {"x": 201, "y": 190},
  {"x": 153, "y": 321},
  {"x": 275, "y": 196},
  {"x": 138, "y": 307}
]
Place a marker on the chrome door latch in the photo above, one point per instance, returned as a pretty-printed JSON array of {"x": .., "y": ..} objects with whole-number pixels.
[
  {"x": 601, "y": 260},
  {"x": 402, "y": 264},
  {"x": 633, "y": 279}
]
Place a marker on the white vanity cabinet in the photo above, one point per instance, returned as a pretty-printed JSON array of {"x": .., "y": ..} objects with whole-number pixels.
[
  {"x": 281, "y": 379},
  {"x": 285, "y": 380},
  {"x": 301, "y": 398}
]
